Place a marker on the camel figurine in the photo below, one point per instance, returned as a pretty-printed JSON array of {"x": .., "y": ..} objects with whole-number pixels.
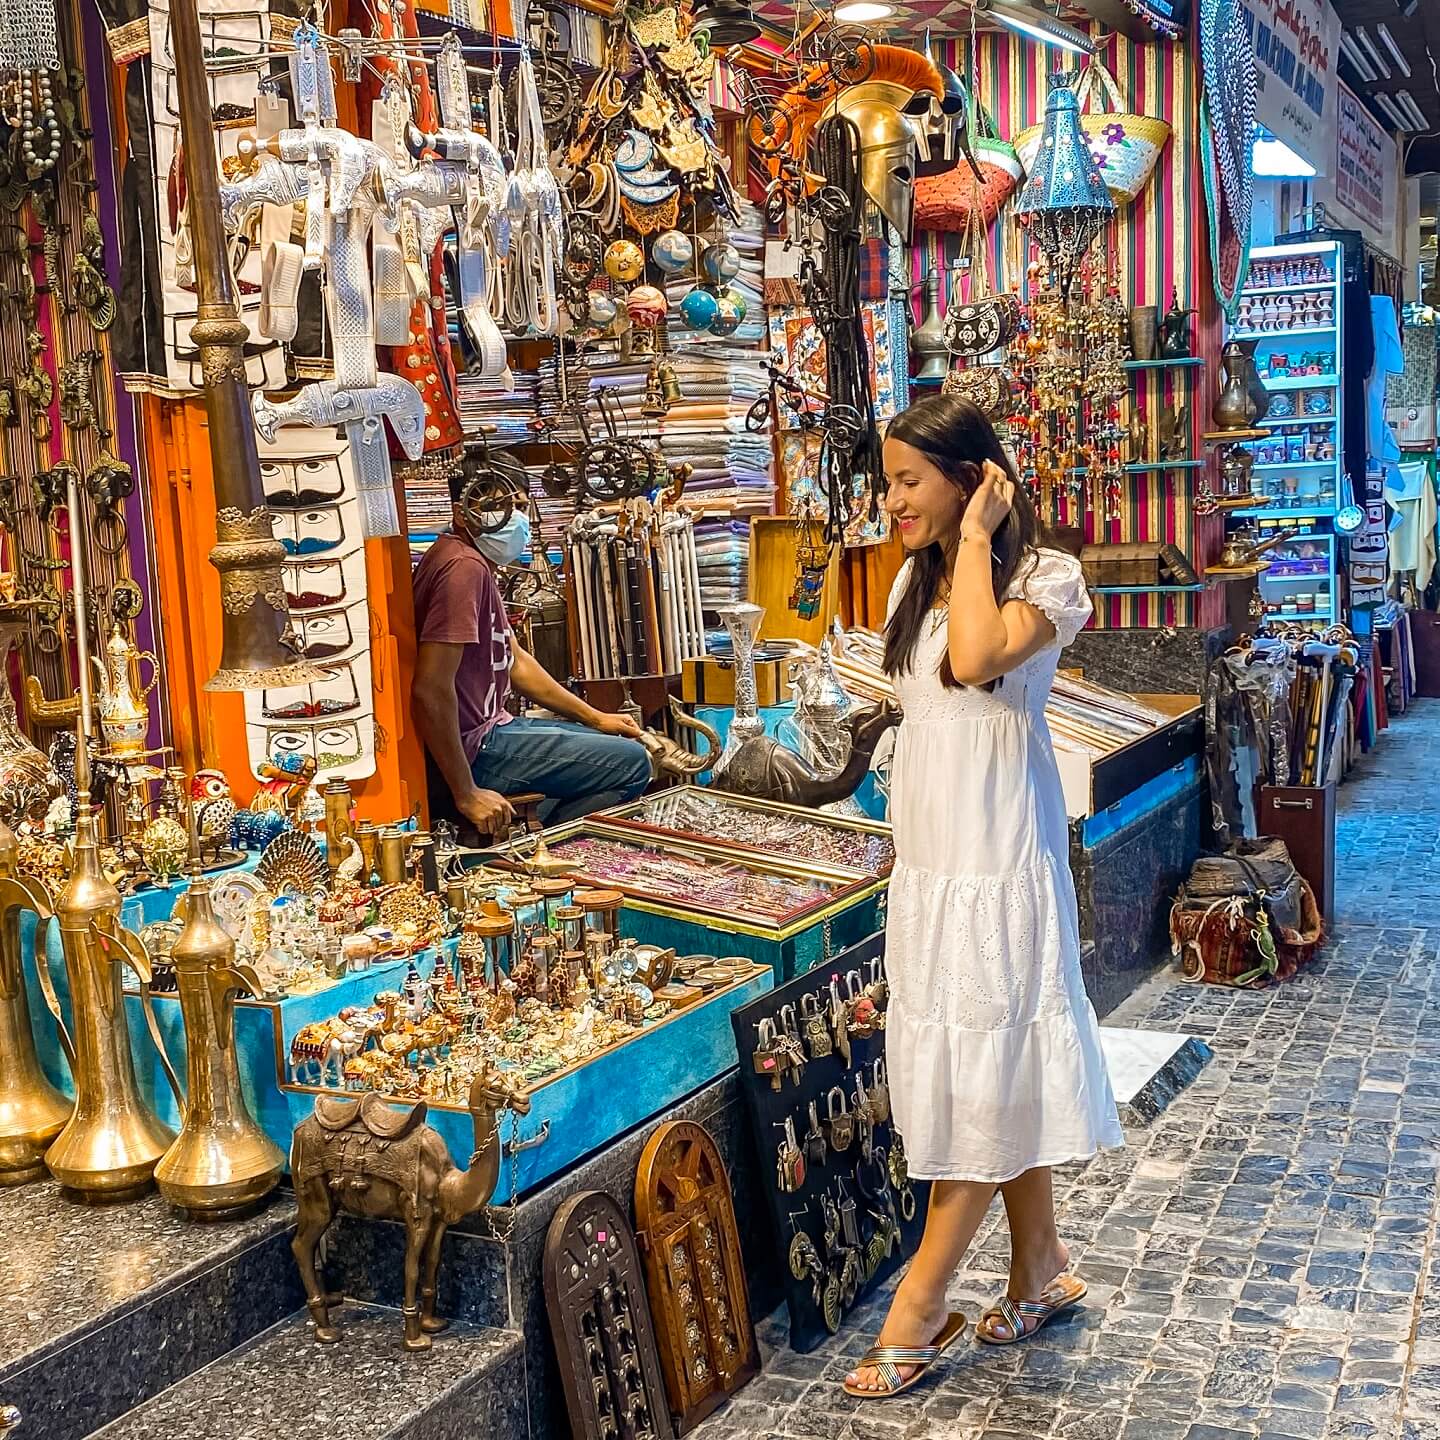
[
  {"x": 364, "y": 1157},
  {"x": 761, "y": 767}
]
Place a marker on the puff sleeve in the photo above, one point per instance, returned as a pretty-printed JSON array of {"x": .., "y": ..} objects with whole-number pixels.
[{"x": 1056, "y": 587}]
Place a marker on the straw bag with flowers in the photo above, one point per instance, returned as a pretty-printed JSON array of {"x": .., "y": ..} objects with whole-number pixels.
[
  {"x": 1125, "y": 145},
  {"x": 944, "y": 202}
]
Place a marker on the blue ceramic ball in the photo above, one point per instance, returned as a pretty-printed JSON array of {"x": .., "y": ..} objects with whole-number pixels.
[
  {"x": 672, "y": 251},
  {"x": 602, "y": 309},
  {"x": 722, "y": 261},
  {"x": 699, "y": 308},
  {"x": 730, "y": 313}
]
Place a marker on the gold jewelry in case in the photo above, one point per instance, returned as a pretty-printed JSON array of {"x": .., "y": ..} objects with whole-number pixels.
[
  {"x": 108, "y": 1148},
  {"x": 222, "y": 1162},
  {"x": 32, "y": 1111}
]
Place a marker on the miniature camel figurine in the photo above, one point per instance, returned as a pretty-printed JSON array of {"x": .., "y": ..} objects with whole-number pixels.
[{"x": 365, "y": 1157}]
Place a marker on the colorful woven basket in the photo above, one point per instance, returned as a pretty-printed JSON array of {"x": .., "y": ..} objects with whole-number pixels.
[
  {"x": 944, "y": 202},
  {"x": 1125, "y": 145}
]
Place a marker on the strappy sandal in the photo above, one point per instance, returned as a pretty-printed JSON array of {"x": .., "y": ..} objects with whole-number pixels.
[
  {"x": 1060, "y": 1294},
  {"x": 886, "y": 1360}
]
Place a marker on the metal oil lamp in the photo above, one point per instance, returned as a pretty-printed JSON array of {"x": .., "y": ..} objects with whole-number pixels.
[
  {"x": 222, "y": 1162},
  {"x": 108, "y": 1148},
  {"x": 32, "y": 1111}
]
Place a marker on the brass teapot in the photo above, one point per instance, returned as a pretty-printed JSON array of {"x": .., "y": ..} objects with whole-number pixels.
[
  {"x": 124, "y": 716},
  {"x": 1245, "y": 546},
  {"x": 32, "y": 1111},
  {"x": 222, "y": 1162},
  {"x": 108, "y": 1148}
]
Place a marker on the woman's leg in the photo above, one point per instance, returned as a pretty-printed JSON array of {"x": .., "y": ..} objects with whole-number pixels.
[
  {"x": 919, "y": 1310},
  {"x": 1037, "y": 1254}
]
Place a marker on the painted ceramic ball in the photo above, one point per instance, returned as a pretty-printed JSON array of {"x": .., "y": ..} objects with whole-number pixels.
[
  {"x": 699, "y": 308},
  {"x": 672, "y": 251},
  {"x": 730, "y": 313},
  {"x": 646, "y": 306},
  {"x": 601, "y": 309},
  {"x": 722, "y": 261},
  {"x": 624, "y": 260}
]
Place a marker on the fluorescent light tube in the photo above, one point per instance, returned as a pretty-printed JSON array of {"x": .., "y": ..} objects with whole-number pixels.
[
  {"x": 1388, "y": 41},
  {"x": 1376, "y": 59},
  {"x": 1356, "y": 57}
]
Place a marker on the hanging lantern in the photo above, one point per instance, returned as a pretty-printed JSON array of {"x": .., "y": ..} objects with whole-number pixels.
[{"x": 1065, "y": 203}]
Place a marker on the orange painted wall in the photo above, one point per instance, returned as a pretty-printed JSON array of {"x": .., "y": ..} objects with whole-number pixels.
[{"x": 209, "y": 729}]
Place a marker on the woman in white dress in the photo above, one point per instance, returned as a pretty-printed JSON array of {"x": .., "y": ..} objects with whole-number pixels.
[{"x": 996, "y": 1071}]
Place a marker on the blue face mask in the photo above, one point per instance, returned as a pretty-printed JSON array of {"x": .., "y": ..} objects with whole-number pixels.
[{"x": 507, "y": 544}]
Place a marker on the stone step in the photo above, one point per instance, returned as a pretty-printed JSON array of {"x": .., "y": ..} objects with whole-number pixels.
[
  {"x": 282, "y": 1383},
  {"x": 103, "y": 1307}
]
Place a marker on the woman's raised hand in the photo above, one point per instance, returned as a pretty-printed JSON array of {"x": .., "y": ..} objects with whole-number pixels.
[{"x": 989, "y": 505}]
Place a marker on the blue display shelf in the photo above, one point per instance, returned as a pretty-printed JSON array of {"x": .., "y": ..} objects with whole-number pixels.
[
  {"x": 1158, "y": 465},
  {"x": 1280, "y": 337},
  {"x": 1300, "y": 382},
  {"x": 1301, "y": 512},
  {"x": 1188, "y": 362}
]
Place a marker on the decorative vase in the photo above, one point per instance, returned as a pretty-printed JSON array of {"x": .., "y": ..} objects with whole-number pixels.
[
  {"x": 742, "y": 620},
  {"x": 927, "y": 340},
  {"x": 1144, "y": 328}
]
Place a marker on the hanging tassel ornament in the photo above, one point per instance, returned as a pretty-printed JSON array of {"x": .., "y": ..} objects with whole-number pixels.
[{"x": 1065, "y": 203}]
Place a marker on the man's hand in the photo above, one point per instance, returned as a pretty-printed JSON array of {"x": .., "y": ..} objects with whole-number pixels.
[
  {"x": 487, "y": 810},
  {"x": 618, "y": 725}
]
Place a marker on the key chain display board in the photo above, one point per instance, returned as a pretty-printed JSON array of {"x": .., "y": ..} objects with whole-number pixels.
[{"x": 845, "y": 1213}]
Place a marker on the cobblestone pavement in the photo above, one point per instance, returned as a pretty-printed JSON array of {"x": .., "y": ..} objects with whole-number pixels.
[{"x": 1261, "y": 1258}]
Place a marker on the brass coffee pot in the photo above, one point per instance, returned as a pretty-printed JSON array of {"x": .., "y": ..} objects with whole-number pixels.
[
  {"x": 108, "y": 1148},
  {"x": 32, "y": 1111},
  {"x": 124, "y": 716},
  {"x": 222, "y": 1162}
]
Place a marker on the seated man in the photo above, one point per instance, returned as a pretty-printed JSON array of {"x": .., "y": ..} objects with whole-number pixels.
[{"x": 466, "y": 665}]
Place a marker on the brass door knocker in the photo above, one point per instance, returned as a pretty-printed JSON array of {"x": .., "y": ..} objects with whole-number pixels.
[
  {"x": 109, "y": 481},
  {"x": 77, "y": 400}
]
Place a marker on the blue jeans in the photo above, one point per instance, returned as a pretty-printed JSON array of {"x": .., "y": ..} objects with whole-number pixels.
[{"x": 577, "y": 769}]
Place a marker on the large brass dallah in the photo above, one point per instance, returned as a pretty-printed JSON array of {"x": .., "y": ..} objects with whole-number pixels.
[
  {"x": 32, "y": 1111},
  {"x": 222, "y": 1162},
  {"x": 255, "y": 615},
  {"x": 108, "y": 1148}
]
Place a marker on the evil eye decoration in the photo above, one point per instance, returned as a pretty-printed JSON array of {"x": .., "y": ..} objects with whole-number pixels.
[
  {"x": 699, "y": 308},
  {"x": 721, "y": 262},
  {"x": 624, "y": 261},
  {"x": 672, "y": 251},
  {"x": 730, "y": 313}
]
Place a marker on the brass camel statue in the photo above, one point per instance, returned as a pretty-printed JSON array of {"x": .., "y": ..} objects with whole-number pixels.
[{"x": 364, "y": 1157}]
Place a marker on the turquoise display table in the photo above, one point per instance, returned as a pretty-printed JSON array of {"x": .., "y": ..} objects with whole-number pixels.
[{"x": 573, "y": 1115}]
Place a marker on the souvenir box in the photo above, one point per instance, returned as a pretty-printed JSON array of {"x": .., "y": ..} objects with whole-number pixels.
[
  {"x": 762, "y": 827},
  {"x": 787, "y": 914}
]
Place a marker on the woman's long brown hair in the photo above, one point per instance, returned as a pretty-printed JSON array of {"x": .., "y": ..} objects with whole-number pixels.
[{"x": 957, "y": 439}]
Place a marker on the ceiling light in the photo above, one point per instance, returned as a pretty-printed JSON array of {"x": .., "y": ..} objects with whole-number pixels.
[
  {"x": 1272, "y": 159},
  {"x": 1376, "y": 58},
  {"x": 1407, "y": 7},
  {"x": 1038, "y": 24},
  {"x": 1392, "y": 111},
  {"x": 861, "y": 12},
  {"x": 1406, "y": 102},
  {"x": 1356, "y": 57},
  {"x": 1388, "y": 41}
]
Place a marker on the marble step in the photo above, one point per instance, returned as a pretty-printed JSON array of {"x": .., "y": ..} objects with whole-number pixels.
[
  {"x": 103, "y": 1307},
  {"x": 470, "y": 1383}
]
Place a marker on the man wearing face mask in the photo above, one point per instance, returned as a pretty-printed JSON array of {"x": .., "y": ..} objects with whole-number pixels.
[{"x": 468, "y": 662}]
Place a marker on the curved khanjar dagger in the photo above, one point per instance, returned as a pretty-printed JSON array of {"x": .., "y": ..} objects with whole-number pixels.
[{"x": 362, "y": 413}]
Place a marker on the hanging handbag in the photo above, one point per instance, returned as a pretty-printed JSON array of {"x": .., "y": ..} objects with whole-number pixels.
[
  {"x": 986, "y": 387},
  {"x": 1126, "y": 145},
  {"x": 987, "y": 321},
  {"x": 947, "y": 201}
]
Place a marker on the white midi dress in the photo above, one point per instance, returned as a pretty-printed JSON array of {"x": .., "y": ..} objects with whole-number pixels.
[{"x": 991, "y": 1042}]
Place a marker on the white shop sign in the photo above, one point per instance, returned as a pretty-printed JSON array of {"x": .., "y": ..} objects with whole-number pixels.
[{"x": 1297, "y": 43}]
